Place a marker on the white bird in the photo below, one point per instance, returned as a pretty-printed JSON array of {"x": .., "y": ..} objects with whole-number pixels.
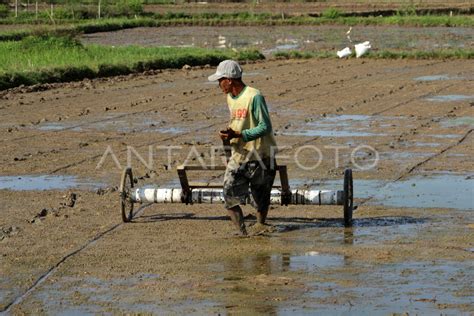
[{"x": 348, "y": 33}]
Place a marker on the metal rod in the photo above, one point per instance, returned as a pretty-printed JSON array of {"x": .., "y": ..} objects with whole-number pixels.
[{"x": 216, "y": 196}]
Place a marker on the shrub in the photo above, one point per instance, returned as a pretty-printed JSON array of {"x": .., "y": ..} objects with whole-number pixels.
[
  {"x": 3, "y": 11},
  {"x": 49, "y": 42},
  {"x": 250, "y": 55},
  {"x": 331, "y": 13},
  {"x": 129, "y": 7},
  {"x": 109, "y": 70}
]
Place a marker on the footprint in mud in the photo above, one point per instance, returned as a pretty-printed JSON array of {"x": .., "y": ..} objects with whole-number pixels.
[
  {"x": 8, "y": 232},
  {"x": 258, "y": 229},
  {"x": 41, "y": 215},
  {"x": 12, "y": 129}
]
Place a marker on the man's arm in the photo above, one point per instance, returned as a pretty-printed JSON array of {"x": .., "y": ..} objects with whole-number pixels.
[{"x": 260, "y": 112}]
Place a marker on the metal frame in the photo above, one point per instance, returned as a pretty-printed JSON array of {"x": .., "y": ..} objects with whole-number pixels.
[
  {"x": 128, "y": 195},
  {"x": 187, "y": 187}
]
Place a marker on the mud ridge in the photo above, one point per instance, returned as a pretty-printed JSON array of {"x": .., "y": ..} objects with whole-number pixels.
[
  {"x": 410, "y": 100},
  {"x": 435, "y": 155}
]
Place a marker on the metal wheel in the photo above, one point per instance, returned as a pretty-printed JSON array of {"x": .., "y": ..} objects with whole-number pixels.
[
  {"x": 348, "y": 197},
  {"x": 126, "y": 186}
]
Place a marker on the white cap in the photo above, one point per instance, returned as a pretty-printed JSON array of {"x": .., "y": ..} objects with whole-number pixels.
[{"x": 227, "y": 69}]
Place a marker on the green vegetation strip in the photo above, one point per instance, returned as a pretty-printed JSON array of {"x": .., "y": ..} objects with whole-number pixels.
[
  {"x": 59, "y": 59},
  {"x": 215, "y": 19},
  {"x": 46, "y": 59}
]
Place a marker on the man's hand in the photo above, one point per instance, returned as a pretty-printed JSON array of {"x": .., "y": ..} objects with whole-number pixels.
[{"x": 229, "y": 134}]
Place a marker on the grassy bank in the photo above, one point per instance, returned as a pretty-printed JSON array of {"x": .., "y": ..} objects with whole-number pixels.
[{"x": 57, "y": 59}]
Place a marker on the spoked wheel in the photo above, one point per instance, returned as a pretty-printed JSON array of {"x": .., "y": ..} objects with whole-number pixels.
[
  {"x": 348, "y": 197},
  {"x": 126, "y": 186}
]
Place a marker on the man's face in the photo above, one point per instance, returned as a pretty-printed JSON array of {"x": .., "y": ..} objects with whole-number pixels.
[{"x": 225, "y": 85}]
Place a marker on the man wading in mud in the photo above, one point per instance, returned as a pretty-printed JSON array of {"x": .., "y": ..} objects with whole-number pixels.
[{"x": 253, "y": 146}]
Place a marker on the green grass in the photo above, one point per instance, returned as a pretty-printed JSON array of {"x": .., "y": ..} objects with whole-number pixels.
[
  {"x": 245, "y": 18},
  {"x": 434, "y": 54},
  {"x": 46, "y": 59}
]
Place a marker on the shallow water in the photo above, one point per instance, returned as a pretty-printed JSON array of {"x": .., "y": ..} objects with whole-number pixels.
[
  {"x": 437, "y": 78},
  {"x": 149, "y": 122},
  {"x": 450, "y": 98},
  {"x": 105, "y": 297},
  {"x": 45, "y": 182},
  {"x": 436, "y": 191},
  {"x": 425, "y": 144},
  {"x": 310, "y": 261},
  {"x": 344, "y": 126},
  {"x": 416, "y": 286},
  {"x": 394, "y": 288},
  {"x": 339, "y": 284},
  {"x": 460, "y": 121},
  {"x": 404, "y": 155},
  {"x": 443, "y": 190},
  {"x": 324, "y": 133}
]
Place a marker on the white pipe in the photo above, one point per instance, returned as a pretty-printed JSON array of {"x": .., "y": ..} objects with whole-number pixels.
[{"x": 216, "y": 196}]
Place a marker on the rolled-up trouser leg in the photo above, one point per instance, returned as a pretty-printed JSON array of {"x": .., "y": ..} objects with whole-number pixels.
[
  {"x": 261, "y": 186},
  {"x": 237, "y": 218},
  {"x": 236, "y": 185}
]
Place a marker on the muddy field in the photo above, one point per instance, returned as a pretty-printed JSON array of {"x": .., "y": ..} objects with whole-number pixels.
[{"x": 405, "y": 127}]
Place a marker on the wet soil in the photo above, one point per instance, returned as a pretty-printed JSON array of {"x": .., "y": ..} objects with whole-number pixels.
[{"x": 59, "y": 256}]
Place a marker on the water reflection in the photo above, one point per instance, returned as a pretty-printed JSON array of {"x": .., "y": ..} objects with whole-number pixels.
[
  {"x": 264, "y": 265},
  {"x": 349, "y": 235},
  {"x": 260, "y": 283}
]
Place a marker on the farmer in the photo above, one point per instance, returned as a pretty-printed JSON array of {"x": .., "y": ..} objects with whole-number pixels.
[{"x": 250, "y": 134}]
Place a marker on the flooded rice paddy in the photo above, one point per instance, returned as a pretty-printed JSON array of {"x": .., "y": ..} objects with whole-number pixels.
[{"x": 270, "y": 39}]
